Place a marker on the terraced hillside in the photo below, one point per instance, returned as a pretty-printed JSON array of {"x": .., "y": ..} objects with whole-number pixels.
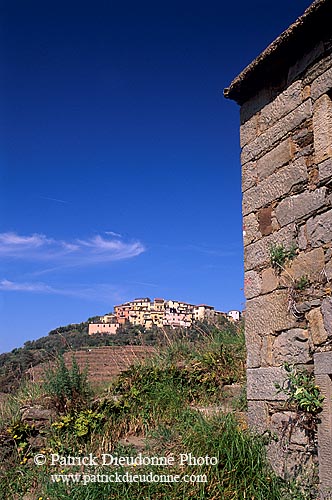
[{"x": 103, "y": 363}]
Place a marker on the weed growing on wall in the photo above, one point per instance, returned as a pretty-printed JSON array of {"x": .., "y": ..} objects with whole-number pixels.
[
  {"x": 280, "y": 255},
  {"x": 303, "y": 397},
  {"x": 301, "y": 390},
  {"x": 302, "y": 283}
]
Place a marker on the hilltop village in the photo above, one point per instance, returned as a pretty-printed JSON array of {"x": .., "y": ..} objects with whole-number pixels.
[{"x": 159, "y": 313}]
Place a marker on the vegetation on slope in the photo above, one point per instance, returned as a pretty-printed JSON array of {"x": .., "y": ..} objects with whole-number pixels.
[
  {"x": 154, "y": 409},
  {"x": 14, "y": 364}
]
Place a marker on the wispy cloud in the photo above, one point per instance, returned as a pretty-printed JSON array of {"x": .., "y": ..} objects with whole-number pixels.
[
  {"x": 213, "y": 251},
  {"x": 112, "y": 233},
  {"x": 230, "y": 251},
  {"x": 53, "y": 199},
  {"x": 144, "y": 283},
  {"x": 12, "y": 286},
  {"x": 78, "y": 252},
  {"x": 99, "y": 291}
]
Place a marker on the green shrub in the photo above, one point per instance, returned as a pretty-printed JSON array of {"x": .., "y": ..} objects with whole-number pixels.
[
  {"x": 279, "y": 255},
  {"x": 301, "y": 389},
  {"x": 155, "y": 400},
  {"x": 79, "y": 424},
  {"x": 68, "y": 388},
  {"x": 302, "y": 283}
]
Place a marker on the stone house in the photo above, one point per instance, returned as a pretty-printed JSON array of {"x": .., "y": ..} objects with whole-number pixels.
[{"x": 285, "y": 96}]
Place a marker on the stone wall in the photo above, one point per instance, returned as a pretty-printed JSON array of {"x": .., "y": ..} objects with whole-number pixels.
[{"x": 286, "y": 141}]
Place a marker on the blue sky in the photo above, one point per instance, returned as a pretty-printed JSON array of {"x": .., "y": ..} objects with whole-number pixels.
[{"x": 119, "y": 158}]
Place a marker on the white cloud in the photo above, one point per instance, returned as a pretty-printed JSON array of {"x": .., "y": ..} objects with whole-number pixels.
[
  {"x": 112, "y": 233},
  {"x": 11, "y": 241},
  {"x": 53, "y": 199},
  {"x": 24, "y": 287},
  {"x": 93, "y": 292},
  {"x": 38, "y": 247}
]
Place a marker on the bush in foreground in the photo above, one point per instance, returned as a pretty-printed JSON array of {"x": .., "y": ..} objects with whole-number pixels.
[{"x": 153, "y": 404}]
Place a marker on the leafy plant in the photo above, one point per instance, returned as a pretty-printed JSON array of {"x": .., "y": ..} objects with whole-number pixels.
[
  {"x": 20, "y": 433},
  {"x": 279, "y": 255},
  {"x": 301, "y": 283},
  {"x": 68, "y": 388},
  {"x": 301, "y": 390},
  {"x": 79, "y": 424}
]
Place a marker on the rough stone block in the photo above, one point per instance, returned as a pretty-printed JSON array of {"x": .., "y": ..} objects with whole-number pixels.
[
  {"x": 273, "y": 135},
  {"x": 283, "y": 104},
  {"x": 327, "y": 315},
  {"x": 287, "y": 458},
  {"x": 300, "y": 206},
  {"x": 295, "y": 461},
  {"x": 328, "y": 270},
  {"x": 323, "y": 363},
  {"x": 305, "y": 61},
  {"x": 254, "y": 349},
  {"x": 292, "y": 346},
  {"x": 249, "y": 130},
  {"x": 265, "y": 220},
  {"x": 317, "y": 69},
  {"x": 258, "y": 417},
  {"x": 303, "y": 141},
  {"x": 257, "y": 254},
  {"x": 306, "y": 92},
  {"x": 325, "y": 170},
  {"x": 313, "y": 175},
  {"x": 277, "y": 456},
  {"x": 274, "y": 187},
  {"x": 321, "y": 84},
  {"x": 249, "y": 175},
  {"x": 269, "y": 281},
  {"x": 322, "y": 122},
  {"x": 328, "y": 253},
  {"x": 256, "y": 103},
  {"x": 275, "y": 224},
  {"x": 323, "y": 372},
  {"x": 302, "y": 238},
  {"x": 319, "y": 229},
  {"x": 298, "y": 436},
  {"x": 310, "y": 264},
  {"x": 279, "y": 156},
  {"x": 250, "y": 229},
  {"x": 37, "y": 416},
  {"x": 266, "y": 351},
  {"x": 261, "y": 383},
  {"x": 252, "y": 284},
  {"x": 269, "y": 314},
  {"x": 316, "y": 326}
]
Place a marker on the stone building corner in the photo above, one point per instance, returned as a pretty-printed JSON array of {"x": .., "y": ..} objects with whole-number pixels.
[{"x": 285, "y": 96}]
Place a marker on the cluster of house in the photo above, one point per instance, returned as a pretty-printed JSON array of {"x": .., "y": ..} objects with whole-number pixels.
[{"x": 160, "y": 313}]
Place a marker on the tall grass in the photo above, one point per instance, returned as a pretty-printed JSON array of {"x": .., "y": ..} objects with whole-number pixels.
[
  {"x": 241, "y": 472},
  {"x": 155, "y": 401},
  {"x": 27, "y": 393}
]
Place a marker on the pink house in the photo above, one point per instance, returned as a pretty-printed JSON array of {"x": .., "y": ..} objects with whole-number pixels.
[{"x": 109, "y": 328}]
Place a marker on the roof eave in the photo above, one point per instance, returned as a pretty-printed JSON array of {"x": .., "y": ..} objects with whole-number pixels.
[{"x": 281, "y": 49}]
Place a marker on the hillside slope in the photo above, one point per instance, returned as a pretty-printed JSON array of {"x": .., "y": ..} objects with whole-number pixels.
[{"x": 102, "y": 363}]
